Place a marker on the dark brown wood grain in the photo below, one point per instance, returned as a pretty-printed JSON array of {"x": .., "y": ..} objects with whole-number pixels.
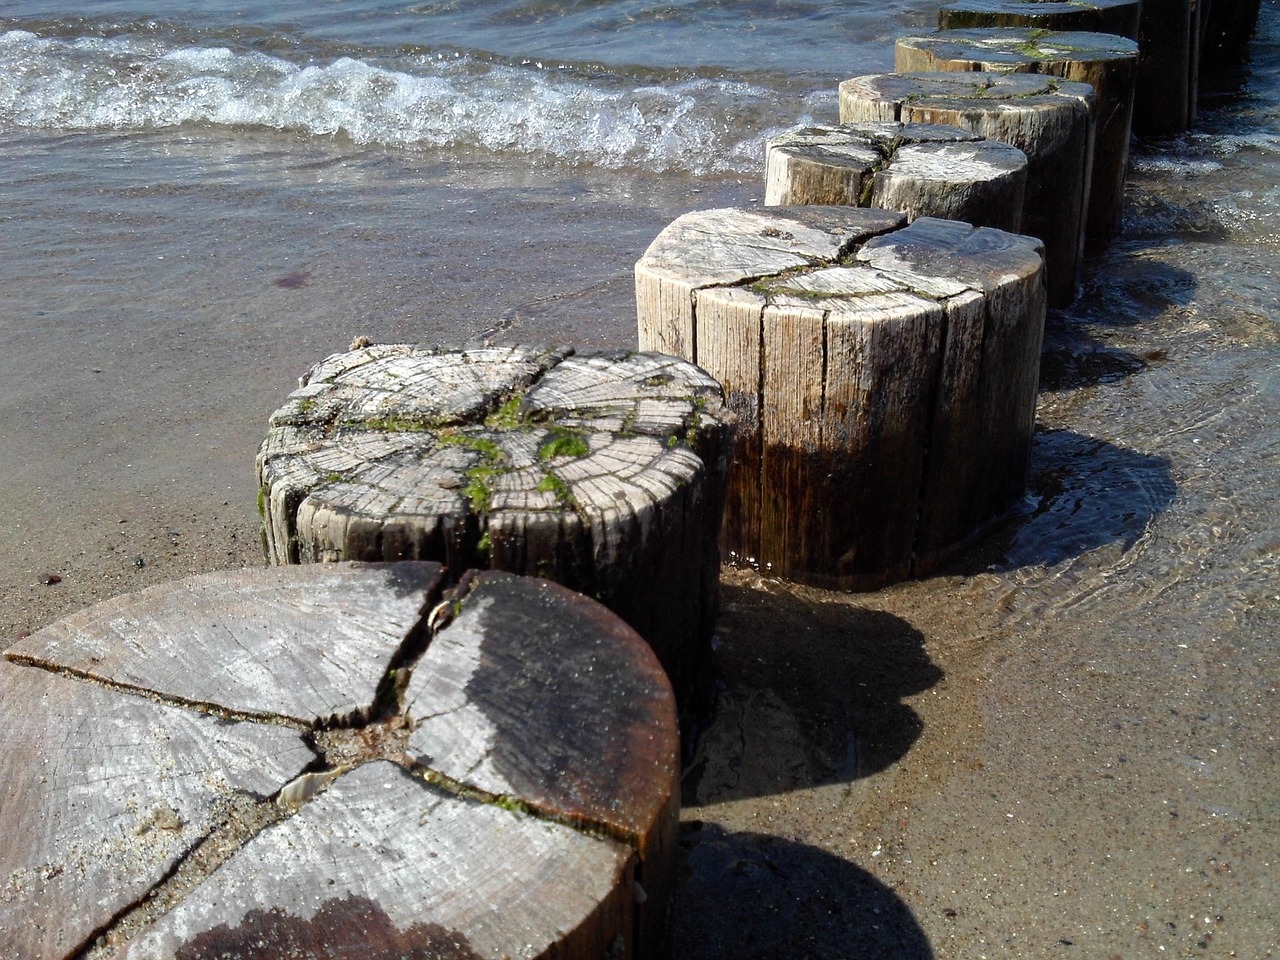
[{"x": 1228, "y": 27}]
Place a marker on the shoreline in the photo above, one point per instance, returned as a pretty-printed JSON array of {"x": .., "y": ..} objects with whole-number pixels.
[{"x": 1064, "y": 742}]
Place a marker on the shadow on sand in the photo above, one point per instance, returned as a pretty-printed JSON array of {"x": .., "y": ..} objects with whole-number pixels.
[
  {"x": 751, "y": 896},
  {"x": 811, "y": 693}
]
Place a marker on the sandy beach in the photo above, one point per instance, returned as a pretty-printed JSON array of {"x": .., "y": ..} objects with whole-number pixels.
[{"x": 1065, "y": 745}]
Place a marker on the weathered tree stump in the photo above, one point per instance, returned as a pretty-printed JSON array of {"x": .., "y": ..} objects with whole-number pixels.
[
  {"x": 923, "y": 170},
  {"x": 1048, "y": 119},
  {"x": 603, "y": 472},
  {"x": 884, "y": 378},
  {"x": 1106, "y": 62},
  {"x": 1169, "y": 72},
  {"x": 264, "y": 764},
  {"x": 1119, "y": 17}
]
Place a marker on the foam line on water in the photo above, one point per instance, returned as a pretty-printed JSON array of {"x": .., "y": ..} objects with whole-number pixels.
[{"x": 452, "y": 100}]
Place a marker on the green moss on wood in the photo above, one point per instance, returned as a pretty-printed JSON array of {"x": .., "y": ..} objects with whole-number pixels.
[
  {"x": 557, "y": 487},
  {"x": 478, "y": 489},
  {"x": 400, "y": 423},
  {"x": 487, "y": 447},
  {"x": 513, "y": 804},
  {"x": 563, "y": 442},
  {"x": 508, "y": 416}
]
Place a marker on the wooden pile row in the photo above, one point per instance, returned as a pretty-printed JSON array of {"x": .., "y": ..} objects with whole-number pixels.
[
  {"x": 885, "y": 399},
  {"x": 421, "y": 755}
]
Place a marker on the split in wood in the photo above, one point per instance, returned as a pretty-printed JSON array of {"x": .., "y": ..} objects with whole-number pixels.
[
  {"x": 1107, "y": 63},
  {"x": 140, "y": 827},
  {"x": 884, "y": 378},
  {"x": 1168, "y": 31},
  {"x": 922, "y": 170},
  {"x": 1048, "y": 119},
  {"x": 603, "y": 472}
]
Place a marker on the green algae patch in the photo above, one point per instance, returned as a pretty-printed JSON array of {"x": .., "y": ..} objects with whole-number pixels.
[{"x": 563, "y": 442}]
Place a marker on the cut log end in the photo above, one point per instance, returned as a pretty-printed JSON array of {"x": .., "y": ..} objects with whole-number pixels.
[
  {"x": 603, "y": 472},
  {"x": 921, "y": 170},
  {"x": 1106, "y": 62},
  {"x": 1051, "y": 120},
  {"x": 140, "y": 823}
]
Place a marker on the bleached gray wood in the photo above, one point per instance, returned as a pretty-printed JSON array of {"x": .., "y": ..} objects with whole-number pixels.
[
  {"x": 920, "y": 170},
  {"x": 603, "y": 750},
  {"x": 104, "y": 793},
  {"x": 1106, "y": 62},
  {"x": 141, "y": 818},
  {"x": 381, "y": 866},
  {"x": 698, "y": 252},
  {"x": 665, "y": 282},
  {"x": 603, "y": 472},
  {"x": 875, "y": 375},
  {"x": 281, "y": 642},
  {"x": 1168, "y": 31},
  {"x": 1050, "y": 120}
]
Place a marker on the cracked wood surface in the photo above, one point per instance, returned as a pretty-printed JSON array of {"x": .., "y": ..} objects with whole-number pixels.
[
  {"x": 381, "y": 866},
  {"x": 1048, "y": 119},
  {"x": 268, "y": 643},
  {"x": 1106, "y": 62},
  {"x": 922, "y": 170},
  {"x": 603, "y": 472},
  {"x": 1168, "y": 31},
  {"x": 888, "y": 389},
  {"x": 145, "y": 821},
  {"x": 104, "y": 793},
  {"x": 518, "y": 648}
]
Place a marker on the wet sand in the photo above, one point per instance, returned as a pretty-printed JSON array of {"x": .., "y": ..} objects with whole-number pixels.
[{"x": 1065, "y": 746}]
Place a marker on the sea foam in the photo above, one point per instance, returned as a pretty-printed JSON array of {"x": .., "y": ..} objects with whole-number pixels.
[{"x": 427, "y": 101}]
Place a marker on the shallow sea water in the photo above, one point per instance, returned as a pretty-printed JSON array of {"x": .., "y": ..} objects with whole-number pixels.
[{"x": 1064, "y": 746}]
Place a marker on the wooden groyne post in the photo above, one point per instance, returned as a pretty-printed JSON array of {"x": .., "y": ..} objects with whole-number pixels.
[
  {"x": 602, "y": 472},
  {"x": 1168, "y": 33},
  {"x": 884, "y": 378},
  {"x": 1048, "y": 119},
  {"x": 266, "y": 763},
  {"x": 923, "y": 170},
  {"x": 1119, "y": 17},
  {"x": 1106, "y": 62}
]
